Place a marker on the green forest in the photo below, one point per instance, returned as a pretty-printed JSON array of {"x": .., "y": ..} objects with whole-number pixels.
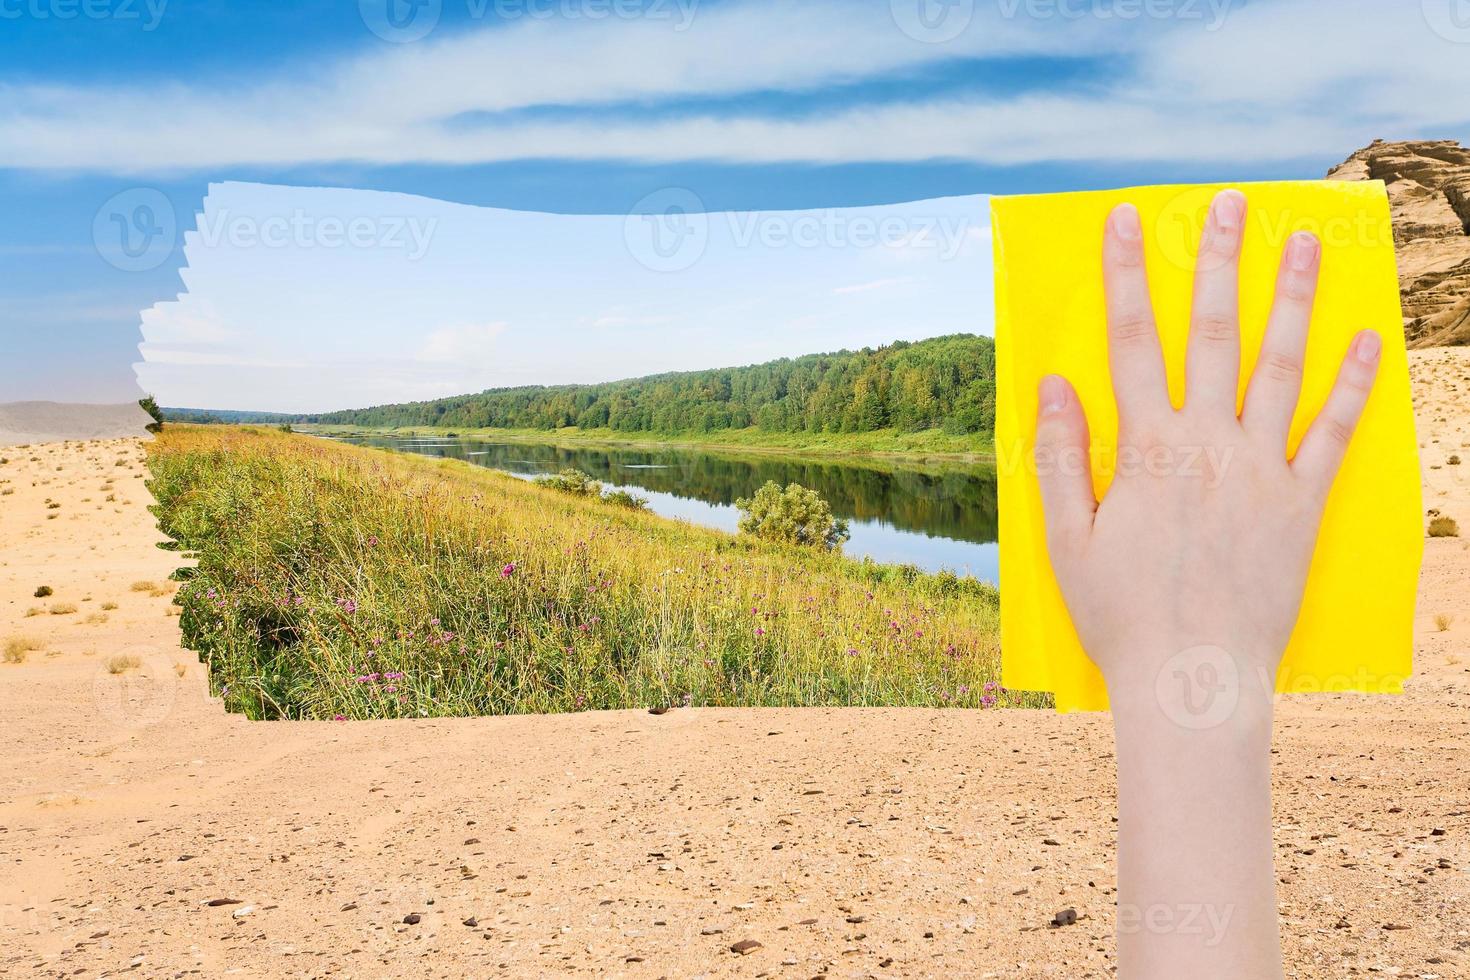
[{"x": 945, "y": 383}]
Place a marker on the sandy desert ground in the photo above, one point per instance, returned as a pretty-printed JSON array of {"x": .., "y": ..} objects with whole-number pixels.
[{"x": 144, "y": 831}]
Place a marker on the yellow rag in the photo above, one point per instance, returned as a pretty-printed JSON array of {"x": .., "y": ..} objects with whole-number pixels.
[{"x": 1355, "y": 632}]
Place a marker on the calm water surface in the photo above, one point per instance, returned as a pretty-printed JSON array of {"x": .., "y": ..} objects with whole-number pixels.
[{"x": 933, "y": 516}]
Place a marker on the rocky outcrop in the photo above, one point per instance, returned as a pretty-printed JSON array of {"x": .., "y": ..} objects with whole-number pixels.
[{"x": 1429, "y": 196}]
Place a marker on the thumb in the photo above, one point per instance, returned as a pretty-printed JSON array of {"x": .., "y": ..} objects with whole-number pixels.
[{"x": 1063, "y": 467}]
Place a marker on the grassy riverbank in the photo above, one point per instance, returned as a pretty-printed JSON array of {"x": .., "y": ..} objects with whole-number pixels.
[
  {"x": 335, "y": 581},
  {"x": 922, "y": 445}
]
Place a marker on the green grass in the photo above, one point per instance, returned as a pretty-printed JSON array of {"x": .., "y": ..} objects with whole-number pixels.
[
  {"x": 924, "y": 444},
  {"x": 335, "y": 580}
]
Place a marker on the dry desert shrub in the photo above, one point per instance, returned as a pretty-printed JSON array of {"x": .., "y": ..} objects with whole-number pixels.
[
  {"x": 121, "y": 664},
  {"x": 17, "y": 647},
  {"x": 1444, "y": 527},
  {"x": 62, "y": 608},
  {"x": 1443, "y": 621}
]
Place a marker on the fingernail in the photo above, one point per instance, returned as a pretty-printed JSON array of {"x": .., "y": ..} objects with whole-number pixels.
[
  {"x": 1052, "y": 394},
  {"x": 1370, "y": 345},
  {"x": 1228, "y": 210},
  {"x": 1125, "y": 223},
  {"x": 1302, "y": 251}
]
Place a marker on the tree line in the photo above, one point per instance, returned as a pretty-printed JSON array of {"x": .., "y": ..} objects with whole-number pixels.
[{"x": 945, "y": 382}]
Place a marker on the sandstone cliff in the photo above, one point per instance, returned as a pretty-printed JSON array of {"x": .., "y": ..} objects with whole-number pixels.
[{"x": 1429, "y": 195}]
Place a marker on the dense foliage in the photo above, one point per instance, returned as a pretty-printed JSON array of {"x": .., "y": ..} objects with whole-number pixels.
[
  {"x": 148, "y": 404},
  {"x": 794, "y": 515},
  {"x": 579, "y": 484},
  {"x": 334, "y": 581},
  {"x": 946, "y": 383}
]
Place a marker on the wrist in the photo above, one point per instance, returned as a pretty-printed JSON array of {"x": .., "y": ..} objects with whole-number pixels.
[{"x": 1202, "y": 693}]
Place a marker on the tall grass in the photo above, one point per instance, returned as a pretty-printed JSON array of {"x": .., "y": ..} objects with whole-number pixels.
[{"x": 338, "y": 581}]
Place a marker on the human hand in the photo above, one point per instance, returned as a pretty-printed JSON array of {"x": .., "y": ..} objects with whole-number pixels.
[
  {"x": 1201, "y": 546},
  {"x": 1184, "y": 585}
]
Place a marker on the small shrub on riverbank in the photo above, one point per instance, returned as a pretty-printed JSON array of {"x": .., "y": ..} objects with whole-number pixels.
[
  {"x": 794, "y": 515},
  {"x": 579, "y": 484},
  {"x": 334, "y": 580},
  {"x": 574, "y": 482}
]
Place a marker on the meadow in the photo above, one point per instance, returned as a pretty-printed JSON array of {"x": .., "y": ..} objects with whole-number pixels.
[{"x": 339, "y": 582}]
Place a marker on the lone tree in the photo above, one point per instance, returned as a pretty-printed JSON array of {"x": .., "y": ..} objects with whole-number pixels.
[
  {"x": 150, "y": 405},
  {"x": 795, "y": 515}
]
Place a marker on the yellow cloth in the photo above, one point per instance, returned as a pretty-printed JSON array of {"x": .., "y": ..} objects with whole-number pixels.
[{"x": 1355, "y": 632}]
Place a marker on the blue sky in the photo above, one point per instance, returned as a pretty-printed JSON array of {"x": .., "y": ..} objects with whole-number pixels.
[{"x": 590, "y": 106}]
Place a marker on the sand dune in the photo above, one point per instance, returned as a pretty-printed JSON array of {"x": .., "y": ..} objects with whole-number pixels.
[{"x": 143, "y": 829}]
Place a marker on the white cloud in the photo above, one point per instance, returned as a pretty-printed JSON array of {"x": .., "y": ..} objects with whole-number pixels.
[
  {"x": 867, "y": 287},
  {"x": 1272, "y": 82}
]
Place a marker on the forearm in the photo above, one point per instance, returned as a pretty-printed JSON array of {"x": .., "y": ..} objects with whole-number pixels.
[{"x": 1196, "y": 887}]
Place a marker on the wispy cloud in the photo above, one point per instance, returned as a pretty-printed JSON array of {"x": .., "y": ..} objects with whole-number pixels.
[
  {"x": 1234, "y": 86},
  {"x": 868, "y": 287}
]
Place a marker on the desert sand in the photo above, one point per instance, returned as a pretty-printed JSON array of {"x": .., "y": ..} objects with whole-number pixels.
[{"x": 145, "y": 831}]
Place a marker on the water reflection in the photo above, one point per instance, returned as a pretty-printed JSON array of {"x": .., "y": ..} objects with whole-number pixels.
[{"x": 934, "y": 516}]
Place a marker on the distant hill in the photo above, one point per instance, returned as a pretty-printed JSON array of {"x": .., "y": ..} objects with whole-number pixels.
[
  {"x": 946, "y": 382},
  {"x": 943, "y": 383},
  {"x": 225, "y": 416}
]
